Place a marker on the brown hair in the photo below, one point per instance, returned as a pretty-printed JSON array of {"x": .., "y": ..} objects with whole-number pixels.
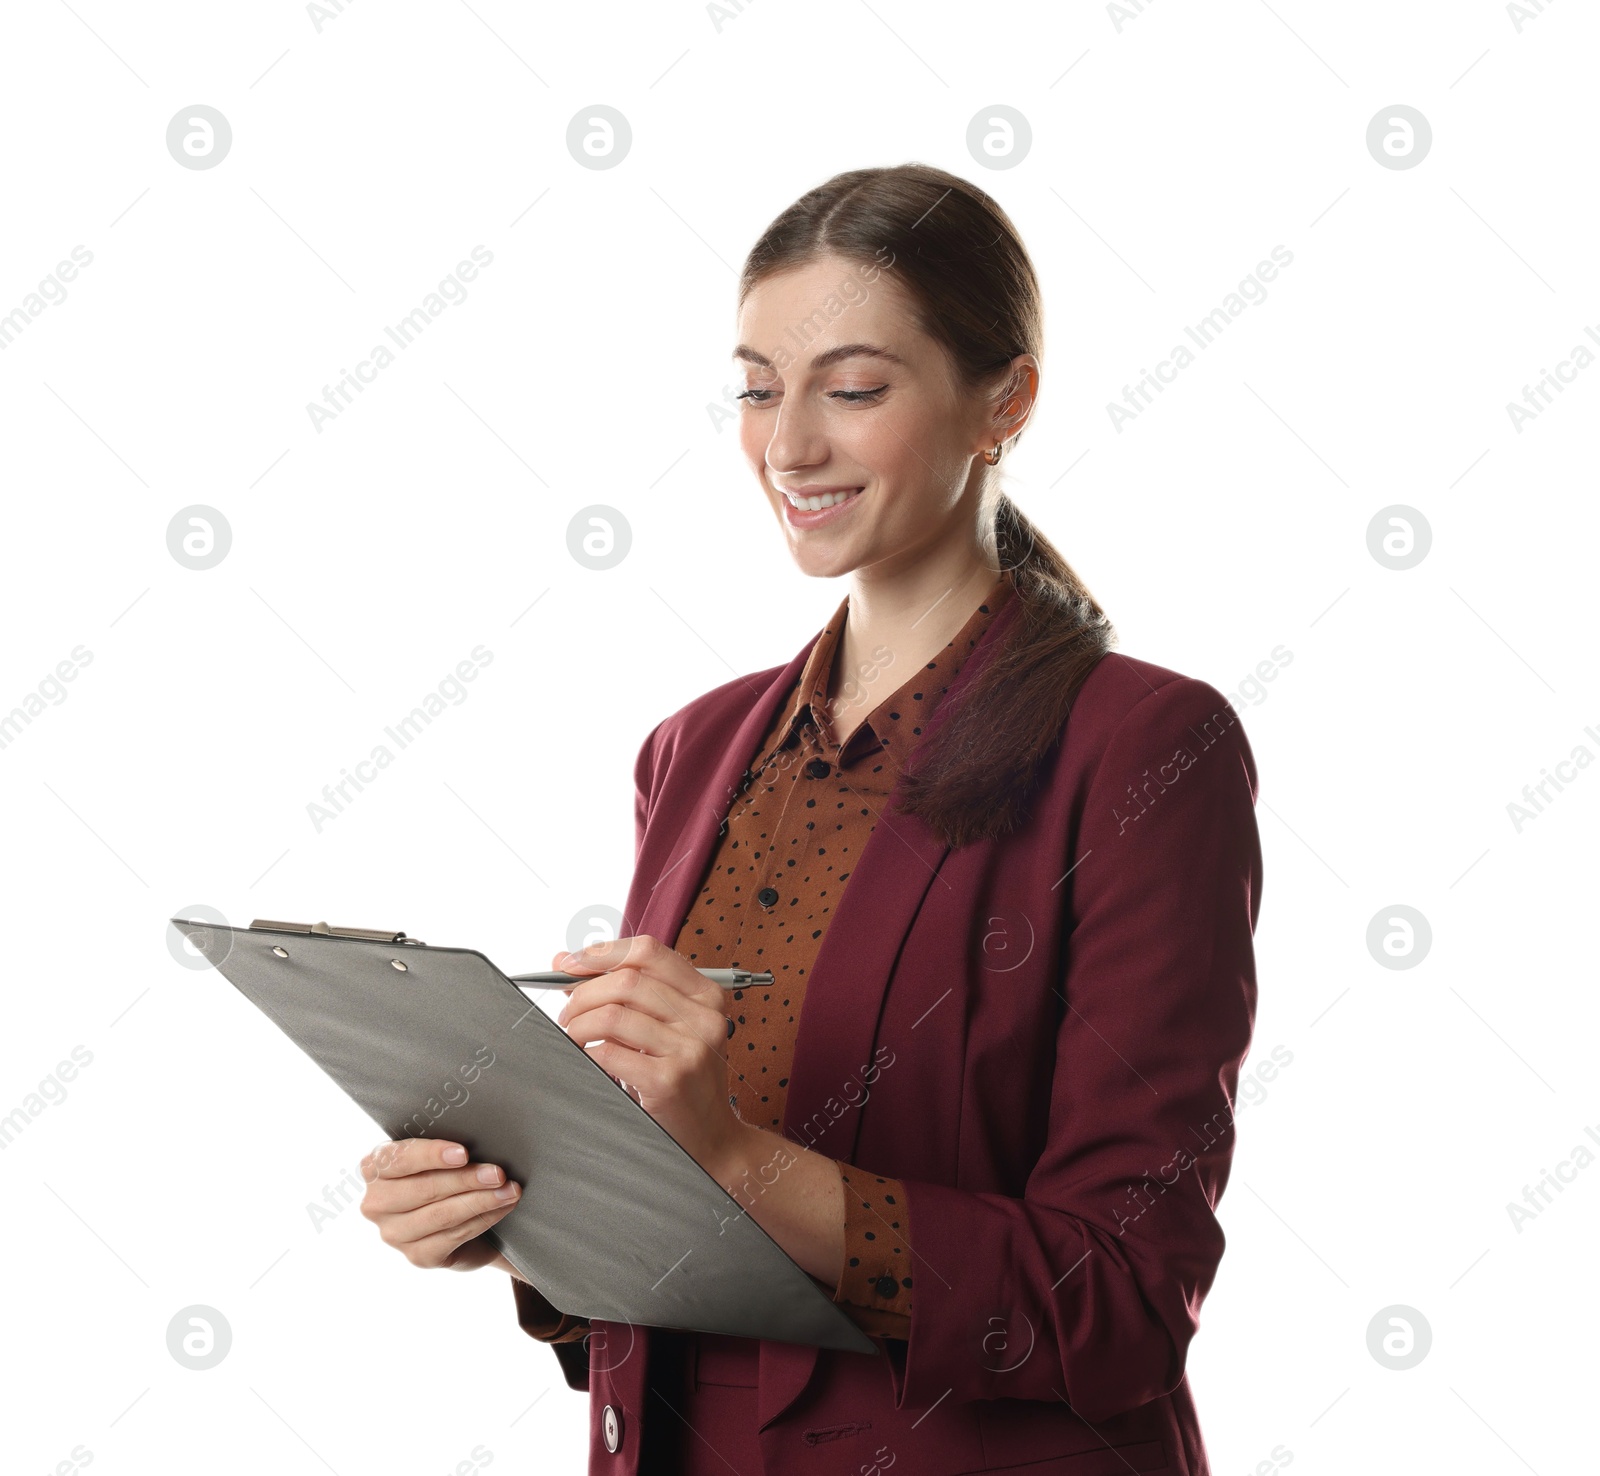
[{"x": 959, "y": 259}]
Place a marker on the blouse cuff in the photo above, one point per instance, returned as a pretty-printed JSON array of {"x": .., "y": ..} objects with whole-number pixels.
[
  {"x": 541, "y": 1319},
  {"x": 876, "y": 1273}
]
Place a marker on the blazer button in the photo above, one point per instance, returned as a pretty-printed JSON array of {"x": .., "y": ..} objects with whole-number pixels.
[
  {"x": 767, "y": 896},
  {"x": 818, "y": 769},
  {"x": 611, "y": 1425}
]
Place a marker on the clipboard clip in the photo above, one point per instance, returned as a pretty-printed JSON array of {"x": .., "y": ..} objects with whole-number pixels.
[{"x": 375, "y": 935}]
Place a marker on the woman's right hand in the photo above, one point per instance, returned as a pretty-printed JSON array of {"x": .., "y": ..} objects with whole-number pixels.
[{"x": 433, "y": 1206}]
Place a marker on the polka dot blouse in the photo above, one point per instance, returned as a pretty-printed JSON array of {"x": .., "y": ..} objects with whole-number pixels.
[{"x": 787, "y": 850}]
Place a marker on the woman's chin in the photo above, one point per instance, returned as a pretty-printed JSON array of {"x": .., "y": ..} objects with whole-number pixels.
[{"x": 822, "y": 557}]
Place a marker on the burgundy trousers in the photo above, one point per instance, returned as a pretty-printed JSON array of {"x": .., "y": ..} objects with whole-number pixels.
[{"x": 702, "y": 1406}]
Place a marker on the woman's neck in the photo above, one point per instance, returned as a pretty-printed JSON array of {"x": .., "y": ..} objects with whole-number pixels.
[{"x": 894, "y": 628}]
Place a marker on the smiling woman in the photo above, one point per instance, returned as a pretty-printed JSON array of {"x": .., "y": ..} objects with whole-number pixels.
[
  {"x": 919, "y": 826},
  {"x": 873, "y": 444}
]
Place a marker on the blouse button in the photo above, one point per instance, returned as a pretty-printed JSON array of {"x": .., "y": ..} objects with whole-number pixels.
[
  {"x": 818, "y": 769},
  {"x": 767, "y": 896},
  {"x": 886, "y": 1286}
]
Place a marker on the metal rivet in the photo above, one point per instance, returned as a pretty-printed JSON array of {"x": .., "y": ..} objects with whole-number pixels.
[
  {"x": 399, "y": 965},
  {"x": 282, "y": 953}
]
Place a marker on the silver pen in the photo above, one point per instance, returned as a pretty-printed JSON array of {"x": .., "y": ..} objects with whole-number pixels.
[{"x": 727, "y": 978}]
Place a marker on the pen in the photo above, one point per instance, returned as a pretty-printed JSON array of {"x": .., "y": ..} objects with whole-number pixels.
[{"x": 727, "y": 978}]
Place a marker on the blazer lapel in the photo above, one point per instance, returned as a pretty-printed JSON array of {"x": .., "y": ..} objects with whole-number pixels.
[{"x": 838, "y": 1021}]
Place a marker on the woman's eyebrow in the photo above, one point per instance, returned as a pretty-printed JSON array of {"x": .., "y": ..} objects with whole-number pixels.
[{"x": 830, "y": 356}]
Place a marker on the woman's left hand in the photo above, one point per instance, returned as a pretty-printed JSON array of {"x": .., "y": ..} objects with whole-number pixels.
[{"x": 653, "y": 1021}]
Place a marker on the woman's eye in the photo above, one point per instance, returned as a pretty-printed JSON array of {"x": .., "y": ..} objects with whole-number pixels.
[{"x": 761, "y": 396}]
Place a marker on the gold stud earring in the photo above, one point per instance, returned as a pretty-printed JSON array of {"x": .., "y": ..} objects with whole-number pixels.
[{"x": 993, "y": 457}]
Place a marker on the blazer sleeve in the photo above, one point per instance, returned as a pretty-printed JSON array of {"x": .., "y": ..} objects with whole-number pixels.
[
  {"x": 644, "y": 782},
  {"x": 1089, "y": 1286}
]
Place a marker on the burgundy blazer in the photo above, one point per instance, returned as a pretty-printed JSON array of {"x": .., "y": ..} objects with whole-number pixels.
[{"x": 1049, "y": 1028}]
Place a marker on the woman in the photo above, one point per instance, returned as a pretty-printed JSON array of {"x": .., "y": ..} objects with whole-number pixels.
[{"x": 1011, "y": 876}]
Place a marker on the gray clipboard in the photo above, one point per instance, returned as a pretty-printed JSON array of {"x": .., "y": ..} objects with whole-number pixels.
[{"x": 616, "y": 1221}]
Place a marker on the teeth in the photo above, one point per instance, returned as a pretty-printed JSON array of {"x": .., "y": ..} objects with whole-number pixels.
[{"x": 816, "y": 504}]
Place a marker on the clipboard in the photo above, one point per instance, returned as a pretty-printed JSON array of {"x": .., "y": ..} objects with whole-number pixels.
[{"x": 616, "y": 1221}]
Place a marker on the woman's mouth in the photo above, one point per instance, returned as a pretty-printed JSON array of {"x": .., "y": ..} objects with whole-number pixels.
[{"x": 813, "y": 508}]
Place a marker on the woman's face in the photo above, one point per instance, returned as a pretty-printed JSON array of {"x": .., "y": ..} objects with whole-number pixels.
[{"x": 841, "y": 392}]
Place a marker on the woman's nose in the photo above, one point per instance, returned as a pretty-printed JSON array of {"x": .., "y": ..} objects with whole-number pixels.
[{"x": 795, "y": 442}]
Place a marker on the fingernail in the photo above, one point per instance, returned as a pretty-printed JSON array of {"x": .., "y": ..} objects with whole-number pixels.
[
  {"x": 455, "y": 1153},
  {"x": 508, "y": 1191},
  {"x": 570, "y": 960},
  {"x": 489, "y": 1174}
]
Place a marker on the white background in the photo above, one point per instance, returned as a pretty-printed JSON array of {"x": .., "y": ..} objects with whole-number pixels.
[{"x": 1170, "y": 152}]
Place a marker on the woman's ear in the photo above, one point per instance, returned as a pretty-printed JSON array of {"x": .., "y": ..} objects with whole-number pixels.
[{"x": 1015, "y": 399}]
